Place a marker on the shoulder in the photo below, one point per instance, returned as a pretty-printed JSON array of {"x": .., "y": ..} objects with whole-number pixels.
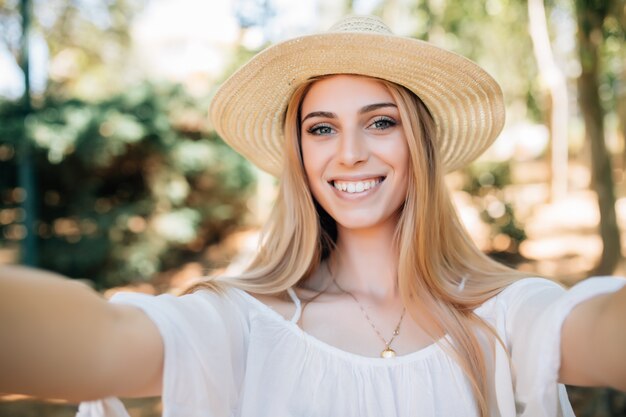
[
  {"x": 525, "y": 289},
  {"x": 542, "y": 292},
  {"x": 281, "y": 304},
  {"x": 530, "y": 288},
  {"x": 525, "y": 297},
  {"x": 540, "y": 305},
  {"x": 198, "y": 307}
]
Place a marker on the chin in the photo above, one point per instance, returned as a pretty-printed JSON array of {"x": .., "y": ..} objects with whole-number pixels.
[{"x": 361, "y": 223}]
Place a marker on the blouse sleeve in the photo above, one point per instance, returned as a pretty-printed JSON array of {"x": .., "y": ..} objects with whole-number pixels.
[
  {"x": 205, "y": 337},
  {"x": 534, "y": 312}
]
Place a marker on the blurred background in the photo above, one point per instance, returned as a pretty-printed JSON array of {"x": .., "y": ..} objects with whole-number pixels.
[{"x": 111, "y": 173}]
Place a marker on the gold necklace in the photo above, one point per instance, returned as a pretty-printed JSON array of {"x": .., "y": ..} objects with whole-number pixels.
[{"x": 388, "y": 352}]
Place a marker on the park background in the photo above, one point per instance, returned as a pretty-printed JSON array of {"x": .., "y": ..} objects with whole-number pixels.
[{"x": 111, "y": 173}]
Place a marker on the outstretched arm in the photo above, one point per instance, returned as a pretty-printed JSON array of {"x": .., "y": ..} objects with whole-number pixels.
[
  {"x": 60, "y": 339},
  {"x": 593, "y": 343}
]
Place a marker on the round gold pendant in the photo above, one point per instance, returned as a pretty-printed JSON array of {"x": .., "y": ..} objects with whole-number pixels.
[{"x": 388, "y": 353}]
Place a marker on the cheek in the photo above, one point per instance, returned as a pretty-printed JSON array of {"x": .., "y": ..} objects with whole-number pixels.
[
  {"x": 313, "y": 168},
  {"x": 307, "y": 161},
  {"x": 396, "y": 155},
  {"x": 314, "y": 159},
  {"x": 400, "y": 160},
  {"x": 403, "y": 156}
]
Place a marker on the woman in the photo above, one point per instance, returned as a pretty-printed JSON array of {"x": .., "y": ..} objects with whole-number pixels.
[{"x": 366, "y": 297}]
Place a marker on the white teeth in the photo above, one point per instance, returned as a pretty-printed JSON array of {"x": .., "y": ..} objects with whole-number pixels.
[{"x": 352, "y": 187}]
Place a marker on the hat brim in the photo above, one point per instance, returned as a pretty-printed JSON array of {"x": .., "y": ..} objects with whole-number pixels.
[{"x": 465, "y": 101}]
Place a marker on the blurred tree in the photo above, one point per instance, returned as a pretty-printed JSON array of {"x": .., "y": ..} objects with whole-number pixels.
[
  {"x": 129, "y": 186},
  {"x": 555, "y": 82},
  {"x": 88, "y": 44},
  {"x": 65, "y": 25},
  {"x": 86, "y": 41},
  {"x": 486, "y": 182},
  {"x": 616, "y": 41},
  {"x": 591, "y": 15},
  {"x": 26, "y": 171}
]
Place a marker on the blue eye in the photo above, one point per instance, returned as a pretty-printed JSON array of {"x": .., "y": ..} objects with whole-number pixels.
[
  {"x": 321, "y": 130},
  {"x": 383, "y": 123}
]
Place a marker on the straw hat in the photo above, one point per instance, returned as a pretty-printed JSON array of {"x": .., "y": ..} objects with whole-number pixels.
[{"x": 465, "y": 102}]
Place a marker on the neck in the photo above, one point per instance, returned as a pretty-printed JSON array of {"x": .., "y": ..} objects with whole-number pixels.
[{"x": 366, "y": 261}]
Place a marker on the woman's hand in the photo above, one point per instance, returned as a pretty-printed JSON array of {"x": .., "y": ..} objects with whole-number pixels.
[
  {"x": 593, "y": 343},
  {"x": 60, "y": 339}
]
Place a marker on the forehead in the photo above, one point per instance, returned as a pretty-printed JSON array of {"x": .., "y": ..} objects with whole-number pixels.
[{"x": 345, "y": 90}]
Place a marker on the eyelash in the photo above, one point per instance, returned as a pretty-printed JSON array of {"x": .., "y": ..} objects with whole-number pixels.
[
  {"x": 388, "y": 120},
  {"x": 315, "y": 129}
]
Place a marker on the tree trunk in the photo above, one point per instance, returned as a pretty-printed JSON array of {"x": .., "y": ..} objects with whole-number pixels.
[
  {"x": 618, "y": 11},
  {"x": 590, "y": 18},
  {"x": 553, "y": 78},
  {"x": 621, "y": 116},
  {"x": 25, "y": 157}
]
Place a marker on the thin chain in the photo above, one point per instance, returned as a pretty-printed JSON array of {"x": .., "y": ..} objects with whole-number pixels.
[{"x": 396, "y": 331}]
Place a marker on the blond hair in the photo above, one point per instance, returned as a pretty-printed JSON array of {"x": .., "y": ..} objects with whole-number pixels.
[{"x": 442, "y": 275}]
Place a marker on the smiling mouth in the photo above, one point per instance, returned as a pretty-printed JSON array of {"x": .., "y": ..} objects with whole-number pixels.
[{"x": 353, "y": 187}]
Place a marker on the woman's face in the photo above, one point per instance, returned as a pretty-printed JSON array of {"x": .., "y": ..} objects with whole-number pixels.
[{"x": 354, "y": 150}]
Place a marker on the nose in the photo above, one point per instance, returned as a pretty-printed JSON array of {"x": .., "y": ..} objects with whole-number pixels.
[{"x": 352, "y": 148}]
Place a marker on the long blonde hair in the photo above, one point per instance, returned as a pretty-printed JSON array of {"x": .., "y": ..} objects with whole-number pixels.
[{"x": 442, "y": 275}]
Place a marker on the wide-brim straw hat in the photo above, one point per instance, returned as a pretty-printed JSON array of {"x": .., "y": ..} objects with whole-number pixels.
[{"x": 465, "y": 101}]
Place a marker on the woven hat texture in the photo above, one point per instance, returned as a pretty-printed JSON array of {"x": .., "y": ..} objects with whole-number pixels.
[{"x": 464, "y": 100}]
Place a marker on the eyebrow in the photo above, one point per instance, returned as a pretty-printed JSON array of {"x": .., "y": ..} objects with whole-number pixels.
[{"x": 364, "y": 109}]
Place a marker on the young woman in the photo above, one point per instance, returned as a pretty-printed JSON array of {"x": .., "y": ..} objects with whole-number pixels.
[{"x": 366, "y": 297}]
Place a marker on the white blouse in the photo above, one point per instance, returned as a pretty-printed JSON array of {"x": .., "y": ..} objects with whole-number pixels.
[{"x": 231, "y": 355}]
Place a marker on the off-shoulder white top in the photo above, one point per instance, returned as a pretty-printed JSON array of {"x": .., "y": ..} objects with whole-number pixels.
[{"x": 231, "y": 355}]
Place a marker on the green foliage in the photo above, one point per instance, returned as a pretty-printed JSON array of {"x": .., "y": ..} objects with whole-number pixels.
[
  {"x": 87, "y": 42},
  {"x": 487, "y": 176},
  {"x": 486, "y": 182},
  {"x": 128, "y": 186}
]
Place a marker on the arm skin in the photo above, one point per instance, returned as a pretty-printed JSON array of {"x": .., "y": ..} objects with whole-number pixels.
[
  {"x": 60, "y": 339},
  {"x": 593, "y": 343}
]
